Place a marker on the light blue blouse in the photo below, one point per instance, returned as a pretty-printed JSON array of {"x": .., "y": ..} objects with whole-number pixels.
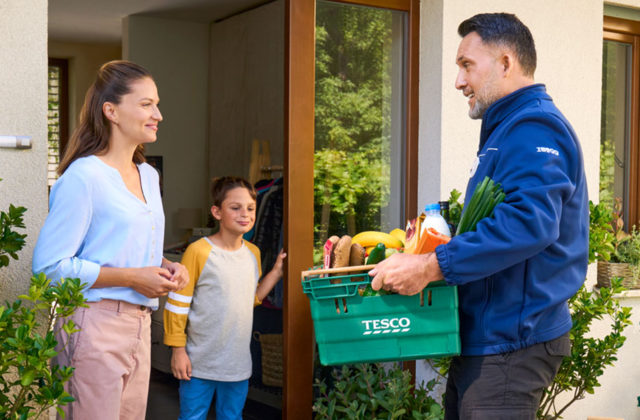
[{"x": 95, "y": 221}]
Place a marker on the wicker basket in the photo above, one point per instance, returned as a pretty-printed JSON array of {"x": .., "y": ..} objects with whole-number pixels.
[
  {"x": 271, "y": 348},
  {"x": 607, "y": 270}
]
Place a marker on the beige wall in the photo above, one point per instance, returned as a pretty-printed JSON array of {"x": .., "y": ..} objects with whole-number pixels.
[
  {"x": 84, "y": 61},
  {"x": 176, "y": 53},
  {"x": 572, "y": 75},
  {"x": 23, "y": 111},
  {"x": 246, "y": 88}
]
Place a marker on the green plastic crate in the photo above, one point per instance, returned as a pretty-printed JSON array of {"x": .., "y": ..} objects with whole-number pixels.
[{"x": 351, "y": 328}]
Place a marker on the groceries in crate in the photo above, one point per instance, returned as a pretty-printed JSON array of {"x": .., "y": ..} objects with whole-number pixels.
[
  {"x": 365, "y": 248},
  {"x": 377, "y": 254},
  {"x": 357, "y": 254},
  {"x": 433, "y": 219},
  {"x": 427, "y": 231},
  {"x": 341, "y": 251},
  {"x": 372, "y": 238},
  {"x": 399, "y": 234},
  {"x": 346, "y": 251},
  {"x": 350, "y": 328},
  {"x": 337, "y": 251}
]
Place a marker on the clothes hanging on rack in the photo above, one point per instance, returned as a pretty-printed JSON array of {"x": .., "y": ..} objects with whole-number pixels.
[
  {"x": 262, "y": 187},
  {"x": 267, "y": 233}
]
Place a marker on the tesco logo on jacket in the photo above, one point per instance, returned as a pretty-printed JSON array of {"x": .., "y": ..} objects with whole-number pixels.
[{"x": 386, "y": 325}]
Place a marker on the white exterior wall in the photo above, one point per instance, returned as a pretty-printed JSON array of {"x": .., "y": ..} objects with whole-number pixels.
[
  {"x": 449, "y": 138},
  {"x": 568, "y": 38},
  {"x": 23, "y": 111}
]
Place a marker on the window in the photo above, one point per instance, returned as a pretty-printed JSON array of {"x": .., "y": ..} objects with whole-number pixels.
[
  {"x": 620, "y": 123},
  {"x": 57, "y": 120},
  {"x": 360, "y": 137}
]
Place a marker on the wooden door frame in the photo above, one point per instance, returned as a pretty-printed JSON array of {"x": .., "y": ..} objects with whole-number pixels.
[
  {"x": 299, "y": 122},
  {"x": 628, "y": 32}
]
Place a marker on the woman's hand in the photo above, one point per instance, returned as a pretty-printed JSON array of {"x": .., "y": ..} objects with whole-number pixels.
[
  {"x": 180, "y": 364},
  {"x": 179, "y": 273},
  {"x": 153, "y": 282}
]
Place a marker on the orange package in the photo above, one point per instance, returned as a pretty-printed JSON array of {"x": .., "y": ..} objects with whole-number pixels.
[{"x": 430, "y": 239}]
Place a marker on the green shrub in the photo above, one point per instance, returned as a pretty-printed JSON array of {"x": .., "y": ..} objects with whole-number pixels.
[
  {"x": 369, "y": 391},
  {"x": 29, "y": 384},
  {"x": 578, "y": 375},
  {"x": 11, "y": 241}
]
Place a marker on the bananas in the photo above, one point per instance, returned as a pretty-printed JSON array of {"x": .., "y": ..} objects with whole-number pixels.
[
  {"x": 399, "y": 234},
  {"x": 371, "y": 238}
]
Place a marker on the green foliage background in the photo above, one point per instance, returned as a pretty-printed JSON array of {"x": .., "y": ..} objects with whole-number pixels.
[{"x": 352, "y": 118}]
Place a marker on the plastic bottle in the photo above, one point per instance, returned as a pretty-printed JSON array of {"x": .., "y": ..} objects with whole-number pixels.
[{"x": 433, "y": 219}]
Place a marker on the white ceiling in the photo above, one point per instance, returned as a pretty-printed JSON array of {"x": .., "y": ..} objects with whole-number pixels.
[{"x": 101, "y": 20}]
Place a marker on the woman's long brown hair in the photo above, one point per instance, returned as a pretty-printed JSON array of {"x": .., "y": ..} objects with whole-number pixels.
[{"x": 91, "y": 136}]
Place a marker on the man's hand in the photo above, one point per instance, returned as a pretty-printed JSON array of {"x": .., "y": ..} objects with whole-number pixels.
[
  {"x": 179, "y": 273},
  {"x": 180, "y": 364},
  {"x": 406, "y": 274}
]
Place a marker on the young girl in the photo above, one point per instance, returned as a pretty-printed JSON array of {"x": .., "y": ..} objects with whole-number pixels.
[
  {"x": 208, "y": 323},
  {"x": 105, "y": 226}
]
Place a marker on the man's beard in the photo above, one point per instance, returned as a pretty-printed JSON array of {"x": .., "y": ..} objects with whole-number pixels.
[{"x": 485, "y": 97}]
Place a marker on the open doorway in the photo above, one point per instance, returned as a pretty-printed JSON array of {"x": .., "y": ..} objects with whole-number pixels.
[{"x": 219, "y": 67}]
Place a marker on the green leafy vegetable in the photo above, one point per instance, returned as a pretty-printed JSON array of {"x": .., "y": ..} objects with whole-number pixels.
[{"x": 486, "y": 196}]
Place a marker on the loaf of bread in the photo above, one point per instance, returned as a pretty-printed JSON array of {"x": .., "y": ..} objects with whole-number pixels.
[
  {"x": 342, "y": 252},
  {"x": 357, "y": 254}
]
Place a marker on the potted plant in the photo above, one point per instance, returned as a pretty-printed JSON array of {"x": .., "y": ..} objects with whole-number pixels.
[{"x": 617, "y": 252}]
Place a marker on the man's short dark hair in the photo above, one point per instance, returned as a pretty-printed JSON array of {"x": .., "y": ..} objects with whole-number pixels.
[{"x": 507, "y": 30}]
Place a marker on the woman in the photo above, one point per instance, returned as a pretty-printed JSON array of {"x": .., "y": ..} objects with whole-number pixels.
[{"x": 106, "y": 227}]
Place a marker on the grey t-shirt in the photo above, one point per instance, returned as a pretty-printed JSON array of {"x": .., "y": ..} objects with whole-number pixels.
[{"x": 221, "y": 314}]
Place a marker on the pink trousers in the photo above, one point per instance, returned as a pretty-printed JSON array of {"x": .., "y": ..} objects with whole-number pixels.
[{"x": 111, "y": 355}]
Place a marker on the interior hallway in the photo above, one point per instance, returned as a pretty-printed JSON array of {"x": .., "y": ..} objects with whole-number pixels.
[{"x": 163, "y": 401}]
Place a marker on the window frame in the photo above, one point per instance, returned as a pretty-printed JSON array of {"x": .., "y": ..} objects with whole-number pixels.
[
  {"x": 628, "y": 32},
  {"x": 63, "y": 65}
]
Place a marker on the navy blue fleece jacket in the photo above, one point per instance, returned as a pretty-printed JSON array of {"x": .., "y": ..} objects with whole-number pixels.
[{"x": 517, "y": 270}]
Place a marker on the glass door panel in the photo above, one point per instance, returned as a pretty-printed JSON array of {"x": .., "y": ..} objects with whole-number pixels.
[{"x": 360, "y": 120}]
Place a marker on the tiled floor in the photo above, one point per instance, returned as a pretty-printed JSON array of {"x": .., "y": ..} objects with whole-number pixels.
[{"x": 163, "y": 401}]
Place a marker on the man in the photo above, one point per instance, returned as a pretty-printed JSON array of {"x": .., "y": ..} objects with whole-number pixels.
[{"x": 517, "y": 270}]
